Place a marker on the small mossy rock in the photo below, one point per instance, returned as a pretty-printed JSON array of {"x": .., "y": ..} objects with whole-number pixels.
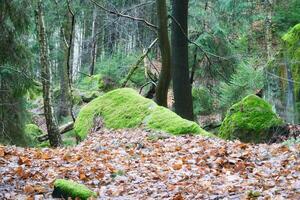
[
  {"x": 125, "y": 108},
  {"x": 69, "y": 189},
  {"x": 250, "y": 121}
]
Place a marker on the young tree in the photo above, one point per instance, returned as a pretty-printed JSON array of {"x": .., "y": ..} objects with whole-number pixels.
[
  {"x": 180, "y": 69},
  {"x": 15, "y": 73},
  {"x": 52, "y": 129},
  {"x": 164, "y": 44}
]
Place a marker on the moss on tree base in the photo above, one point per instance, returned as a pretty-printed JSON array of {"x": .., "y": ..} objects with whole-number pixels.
[
  {"x": 125, "y": 108},
  {"x": 250, "y": 121},
  {"x": 68, "y": 189}
]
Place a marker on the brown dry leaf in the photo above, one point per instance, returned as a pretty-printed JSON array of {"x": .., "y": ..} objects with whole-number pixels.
[
  {"x": 46, "y": 156},
  {"x": 39, "y": 189},
  {"x": 240, "y": 166},
  {"x": 110, "y": 167},
  {"x": 82, "y": 175},
  {"x": 100, "y": 175},
  {"x": 178, "y": 197},
  {"x": 24, "y": 160},
  {"x": 178, "y": 148},
  {"x": 19, "y": 171},
  {"x": 28, "y": 189},
  {"x": 131, "y": 152},
  {"x": 2, "y": 152},
  {"x": 177, "y": 165},
  {"x": 67, "y": 156}
]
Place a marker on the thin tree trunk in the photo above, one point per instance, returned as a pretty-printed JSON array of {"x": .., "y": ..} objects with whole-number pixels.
[
  {"x": 180, "y": 70},
  {"x": 64, "y": 104},
  {"x": 268, "y": 27},
  {"x": 93, "y": 42},
  {"x": 164, "y": 44},
  {"x": 52, "y": 129}
]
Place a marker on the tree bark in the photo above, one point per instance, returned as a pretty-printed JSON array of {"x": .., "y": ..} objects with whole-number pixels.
[
  {"x": 64, "y": 97},
  {"x": 164, "y": 44},
  {"x": 93, "y": 43},
  {"x": 52, "y": 129},
  {"x": 268, "y": 27},
  {"x": 180, "y": 69}
]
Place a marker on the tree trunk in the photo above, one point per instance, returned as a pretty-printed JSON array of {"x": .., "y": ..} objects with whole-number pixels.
[
  {"x": 164, "y": 44},
  {"x": 268, "y": 28},
  {"x": 93, "y": 43},
  {"x": 180, "y": 69},
  {"x": 52, "y": 129},
  {"x": 64, "y": 98}
]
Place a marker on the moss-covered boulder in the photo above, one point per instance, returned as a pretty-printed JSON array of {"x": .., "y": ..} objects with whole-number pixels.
[
  {"x": 250, "y": 120},
  {"x": 125, "y": 108},
  {"x": 68, "y": 189}
]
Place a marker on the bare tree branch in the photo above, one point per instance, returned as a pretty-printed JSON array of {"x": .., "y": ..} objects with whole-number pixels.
[
  {"x": 132, "y": 70},
  {"x": 119, "y": 14}
]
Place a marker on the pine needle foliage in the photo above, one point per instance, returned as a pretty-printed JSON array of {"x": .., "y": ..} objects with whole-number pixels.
[{"x": 245, "y": 81}]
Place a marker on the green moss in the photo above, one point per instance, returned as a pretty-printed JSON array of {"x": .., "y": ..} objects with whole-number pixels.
[
  {"x": 163, "y": 119},
  {"x": 93, "y": 82},
  {"x": 249, "y": 120},
  {"x": 292, "y": 36},
  {"x": 125, "y": 108},
  {"x": 69, "y": 189},
  {"x": 32, "y": 131}
]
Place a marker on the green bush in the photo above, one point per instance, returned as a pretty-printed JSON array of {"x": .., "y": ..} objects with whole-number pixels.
[
  {"x": 245, "y": 81},
  {"x": 117, "y": 66},
  {"x": 32, "y": 131},
  {"x": 202, "y": 101}
]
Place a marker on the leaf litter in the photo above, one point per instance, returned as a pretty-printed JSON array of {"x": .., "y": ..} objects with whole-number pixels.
[{"x": 136, "y": 164}]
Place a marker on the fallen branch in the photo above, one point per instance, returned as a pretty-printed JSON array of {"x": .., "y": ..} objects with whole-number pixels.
[
  {"x": 62, "y": 129},
  {"x": 133, "y": 68}
]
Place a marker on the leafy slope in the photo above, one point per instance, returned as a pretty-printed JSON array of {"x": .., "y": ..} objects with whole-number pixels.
[{"x": 134, "y": 164}]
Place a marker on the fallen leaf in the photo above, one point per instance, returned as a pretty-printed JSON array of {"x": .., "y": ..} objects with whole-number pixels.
[
  {"x": 178, "y": 197},
  {"x": 24, "y": 160},
  {"x": 28, "y": 189},
  {"x": 177, "y": 165},
  {"x": 2, "y": 153}
]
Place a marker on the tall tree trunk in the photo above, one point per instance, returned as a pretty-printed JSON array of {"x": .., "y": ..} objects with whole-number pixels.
[
  {"x": 93, "y": 42},
  {"x": 64, "y": 98},
  {"x": 180, "y": 69},
  {"x": 52, "y": 129},
  {"x": 164, "y": 44},
  {"x": 268, "y": 28}
]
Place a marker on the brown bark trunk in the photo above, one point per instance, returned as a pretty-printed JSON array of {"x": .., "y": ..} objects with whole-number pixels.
[
  {"x": 180, "y": 66},
  {"x": 164, "y": 44},
  {"x": 52, "y": 129}
]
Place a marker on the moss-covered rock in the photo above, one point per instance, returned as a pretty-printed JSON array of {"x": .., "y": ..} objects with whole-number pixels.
[
  {"x": 125, "y": 108},
  {"x": 249, "y": 121},
  {"x": 32, "y": 131},
  {"x": 68, "y": 189}
]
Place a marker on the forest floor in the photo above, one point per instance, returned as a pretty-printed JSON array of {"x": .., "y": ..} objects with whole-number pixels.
[{"x": 135, "y": 164}]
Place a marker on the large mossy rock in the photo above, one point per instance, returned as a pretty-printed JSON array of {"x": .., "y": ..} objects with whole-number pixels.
[
  {"x": 125, "y": 108},
  {"x": 68, "y": 189},
  {"x": 250, "y": 120}
]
